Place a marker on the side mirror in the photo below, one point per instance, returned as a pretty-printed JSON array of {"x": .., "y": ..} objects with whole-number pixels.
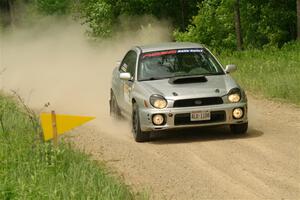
[
  {"x": 230, "y": 68},
  {"x": 125, "y": 76}
]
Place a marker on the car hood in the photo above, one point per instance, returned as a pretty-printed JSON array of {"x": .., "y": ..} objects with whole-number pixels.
[{"x": 218, "y": 85}]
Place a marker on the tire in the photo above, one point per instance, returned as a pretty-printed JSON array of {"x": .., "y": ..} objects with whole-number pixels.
[
  {"x": 139, "y": 136},
  {"x": 114, "y": 109},
  {"x": 239, "y": 128}
]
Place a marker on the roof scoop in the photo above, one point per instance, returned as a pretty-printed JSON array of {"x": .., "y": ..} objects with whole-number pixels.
[{"x": 187, "y": 79}]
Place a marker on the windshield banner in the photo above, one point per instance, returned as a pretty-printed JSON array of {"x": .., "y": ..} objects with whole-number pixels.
[{"x": 160, "y": 53}]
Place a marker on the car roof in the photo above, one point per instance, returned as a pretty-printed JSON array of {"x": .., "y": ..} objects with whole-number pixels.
[{"x": 169, "y": 46}]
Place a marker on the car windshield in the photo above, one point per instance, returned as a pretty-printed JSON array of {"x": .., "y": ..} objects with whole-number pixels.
[{"x": 181, "y": 62}]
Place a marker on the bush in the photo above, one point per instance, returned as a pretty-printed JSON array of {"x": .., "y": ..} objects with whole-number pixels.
[
  {"x": 213, "y": 26},
  {"x": 98, "y": 16}
]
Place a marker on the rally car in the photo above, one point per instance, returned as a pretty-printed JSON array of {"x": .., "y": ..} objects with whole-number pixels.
[{"x": 176, "y": 85}]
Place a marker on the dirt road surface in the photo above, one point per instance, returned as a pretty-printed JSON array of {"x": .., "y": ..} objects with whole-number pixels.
[
  {"x": 59, "y": 66},
  {"x": 209, "y": 163}
]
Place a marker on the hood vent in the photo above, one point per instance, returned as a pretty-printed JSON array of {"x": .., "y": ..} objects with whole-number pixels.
[{"x": 187, "y": 79}]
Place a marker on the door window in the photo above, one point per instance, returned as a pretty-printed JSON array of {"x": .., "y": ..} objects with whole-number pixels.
[{"x": 129, "y": 63}]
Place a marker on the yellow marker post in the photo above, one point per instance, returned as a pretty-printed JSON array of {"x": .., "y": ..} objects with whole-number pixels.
[
  {"x": 54, "y": 125},
  {"x": 54, "y": 128}
]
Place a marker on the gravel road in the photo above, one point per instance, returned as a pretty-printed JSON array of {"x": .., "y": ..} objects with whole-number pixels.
[{"x": 208, "y": 163}]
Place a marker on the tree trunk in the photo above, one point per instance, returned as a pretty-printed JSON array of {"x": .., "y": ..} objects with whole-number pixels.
[
  {"x": 298, "y": 20},
  {"x": 238, "y": 29},
  {"x": 4, "y": 12},
  {"x": 11, "y": 12},
  {"x": 182, "y": 15}
]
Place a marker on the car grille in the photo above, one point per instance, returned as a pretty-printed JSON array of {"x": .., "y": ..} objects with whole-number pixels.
[
  {"x": 184, "y": 119},
  {"x": 198, "y": 102}
]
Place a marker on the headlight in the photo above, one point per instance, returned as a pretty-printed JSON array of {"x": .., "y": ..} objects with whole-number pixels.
[
  {"x": 158, "y": 101},
  {"x": 234, "y": 95}
]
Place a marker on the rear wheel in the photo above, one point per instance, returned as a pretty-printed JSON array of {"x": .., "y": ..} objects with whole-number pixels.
[
  {"x": 139, "y": 136},
  {"x": 239, "y": 128},
  {"x": 114, "y": 109}
]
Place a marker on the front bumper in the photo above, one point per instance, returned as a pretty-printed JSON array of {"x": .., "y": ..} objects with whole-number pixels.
[{"x": 180, "y": 117}]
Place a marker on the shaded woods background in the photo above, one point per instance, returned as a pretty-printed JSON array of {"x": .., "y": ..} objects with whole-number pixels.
[{"x": 220, "y": 24}]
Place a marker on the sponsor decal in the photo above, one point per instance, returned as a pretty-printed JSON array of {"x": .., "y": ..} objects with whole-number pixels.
[
  {"x": 160, "y": 53},
  {"x": 124, "y": 67},
  {"x": 189, "y": 50}
]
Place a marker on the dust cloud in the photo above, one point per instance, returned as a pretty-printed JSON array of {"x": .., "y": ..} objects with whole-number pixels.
[{"x": 57, "y": 63}]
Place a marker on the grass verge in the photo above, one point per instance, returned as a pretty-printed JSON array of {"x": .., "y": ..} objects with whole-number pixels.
[
  {"x": 274, "y": 73},
  {"x": 31, "y": 169}
]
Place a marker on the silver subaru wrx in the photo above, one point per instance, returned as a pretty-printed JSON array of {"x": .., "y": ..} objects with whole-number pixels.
[{"x": 176, "y": 85}]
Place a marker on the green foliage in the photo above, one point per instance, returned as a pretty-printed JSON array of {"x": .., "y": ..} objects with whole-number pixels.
[
  {"x": 102, "y": 15},
  {"x": 212, "y": 26},
  {"x": 54, "y": 7},
  {"x": 30, "y": 169},
  {"x": 179, "y": 12},
  {"x": 273, "y": 72},
  {"x": 271, "y": 22},
  {"x": 98, "y": 15},
  {"x": 264, "y": 23}
]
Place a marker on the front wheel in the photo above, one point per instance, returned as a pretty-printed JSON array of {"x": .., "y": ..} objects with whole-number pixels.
[
  {"x": 239, "y": 128},
  {"x": 138, "y": 134}
]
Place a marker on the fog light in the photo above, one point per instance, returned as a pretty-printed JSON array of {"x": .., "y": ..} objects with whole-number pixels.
[
  {"x": 158, "y": 119},
  {"x": 238, "y": 113}
]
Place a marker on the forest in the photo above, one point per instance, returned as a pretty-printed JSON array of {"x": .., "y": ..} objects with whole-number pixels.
[{"x": 219, "y": 24}]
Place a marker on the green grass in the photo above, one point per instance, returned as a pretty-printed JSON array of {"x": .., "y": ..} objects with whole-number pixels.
[
  {"x": 31, "y": 169},
  {"x": 274, "y": 73}
]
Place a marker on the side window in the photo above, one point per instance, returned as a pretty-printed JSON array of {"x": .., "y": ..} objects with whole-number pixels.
[{"x": 129, "y": 62}]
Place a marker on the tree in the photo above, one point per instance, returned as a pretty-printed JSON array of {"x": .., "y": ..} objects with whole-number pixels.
[
  {"x": 179, "y": 12},
  {"x": 298, "y": 19},
  {"x": 7, "y": 12},
  {"x": 182, "y": 5},
  {"x": 53, "y": 7},
  {"x": 238, "y": 29},
  {"x": 98, "y": 15},
  {"x": 268, "y": 23},
  {"x": 212, "y": 26},
  {"x": 264, "y": 23}
]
